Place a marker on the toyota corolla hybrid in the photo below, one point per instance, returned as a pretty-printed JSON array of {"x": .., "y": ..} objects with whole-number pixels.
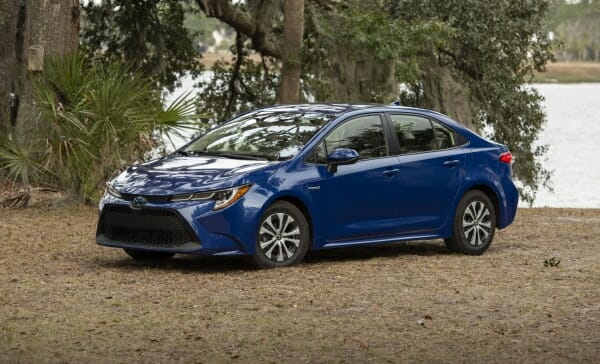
[{"x": 276, "y": 182}]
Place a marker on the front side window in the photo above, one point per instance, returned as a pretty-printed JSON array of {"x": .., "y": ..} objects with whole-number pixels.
[
  {"x": 415, "y": 133},
  {"x": 363, "y": 134},
  {"x": 270, "y": 134}
]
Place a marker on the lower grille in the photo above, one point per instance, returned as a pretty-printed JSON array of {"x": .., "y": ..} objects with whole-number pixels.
[{"x": 149, "y": 227}]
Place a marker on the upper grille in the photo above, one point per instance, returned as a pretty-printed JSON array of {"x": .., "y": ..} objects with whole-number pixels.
[
  {"x": 149, "y": 198},
  {"x": 154, "y": 227}
]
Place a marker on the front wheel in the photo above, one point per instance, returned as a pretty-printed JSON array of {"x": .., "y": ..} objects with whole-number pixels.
[
  {"x": 283, "y": 236},
  {"x": 474, "y": 224},
  {"x": 148, "y": 256}
]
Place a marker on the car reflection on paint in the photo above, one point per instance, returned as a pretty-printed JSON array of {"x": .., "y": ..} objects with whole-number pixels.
[{"x": 276, "y": 182}]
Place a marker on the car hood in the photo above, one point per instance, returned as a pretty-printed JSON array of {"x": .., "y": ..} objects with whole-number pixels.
[{"x": 183, "y": 174}]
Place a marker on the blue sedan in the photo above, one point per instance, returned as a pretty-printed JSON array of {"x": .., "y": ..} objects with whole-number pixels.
[{"x": 276, "y": 182}]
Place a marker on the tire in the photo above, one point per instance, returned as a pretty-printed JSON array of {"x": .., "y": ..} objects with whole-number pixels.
[
  {"x": 283, "y": 237},
  {"x": 474, "y": 224},
  {"x": 148, "y": 256}
]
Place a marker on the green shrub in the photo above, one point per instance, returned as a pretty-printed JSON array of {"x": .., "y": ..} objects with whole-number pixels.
[{"x": 95, "y": 118}]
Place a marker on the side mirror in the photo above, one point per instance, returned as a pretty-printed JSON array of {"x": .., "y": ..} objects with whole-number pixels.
[{"x": 341, "y": 156}]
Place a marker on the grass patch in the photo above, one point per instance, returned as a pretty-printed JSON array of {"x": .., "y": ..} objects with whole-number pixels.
[{"x": 569, "y": 72}]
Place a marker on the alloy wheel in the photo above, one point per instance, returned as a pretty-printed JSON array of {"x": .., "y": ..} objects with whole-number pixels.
[
  {"x": 476, "y": 223},
  {"x": 279, "y": 237}
]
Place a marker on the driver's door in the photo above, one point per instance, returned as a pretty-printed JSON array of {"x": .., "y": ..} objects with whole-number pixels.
[{"x": 358, "y": 199}]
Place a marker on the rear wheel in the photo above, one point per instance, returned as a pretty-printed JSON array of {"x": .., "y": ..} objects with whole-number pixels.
[
  {"x": 148, "y": 256},
  {"x": 474, "y": 224},
  {"x": 282, "y": 238}
]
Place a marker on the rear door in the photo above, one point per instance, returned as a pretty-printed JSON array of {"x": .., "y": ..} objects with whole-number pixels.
[{"x": 431, "y": 168}]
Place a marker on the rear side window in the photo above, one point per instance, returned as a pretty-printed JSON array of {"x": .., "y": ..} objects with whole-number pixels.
[
  {"x": 418, "y": 134},
  {"x": 415, "y": 134}
]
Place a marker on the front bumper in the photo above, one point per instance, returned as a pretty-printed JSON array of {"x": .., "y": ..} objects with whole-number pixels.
[
  {"x": 149, "y": 228},
  {"x": 181, "y": 228}
]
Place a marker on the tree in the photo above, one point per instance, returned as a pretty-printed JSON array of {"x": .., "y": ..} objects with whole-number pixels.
[
  {"x": 32, "y": 30},
  {"x": 493, "y": 50},
  {"x": 150, "y": 34},
  {"x": 253, "y": 18},
  {"x": 240, "y": 87},
  {"x": 291, "y": 51},
  {"x": 257, "y": 20},
  {"x": 465, "y": 58},
  {"x": 576, "y": 25}
]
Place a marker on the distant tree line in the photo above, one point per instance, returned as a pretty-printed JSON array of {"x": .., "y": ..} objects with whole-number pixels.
[{"x": 577, "y": 26}]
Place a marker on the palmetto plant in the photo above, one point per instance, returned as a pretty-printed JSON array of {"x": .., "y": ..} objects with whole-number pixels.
[
  {"x": 96, "y": 117},
  {"x": 19, "y": 158}
]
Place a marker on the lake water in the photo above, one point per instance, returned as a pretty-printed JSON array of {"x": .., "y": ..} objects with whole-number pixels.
[{"x": 573, "y": 135}]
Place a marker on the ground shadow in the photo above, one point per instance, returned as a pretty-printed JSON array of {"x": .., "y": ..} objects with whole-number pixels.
[
  {"x": 180, "y": 263},
  {"x": 203, "y": 264},
  {"x": 429, "y": 247}
]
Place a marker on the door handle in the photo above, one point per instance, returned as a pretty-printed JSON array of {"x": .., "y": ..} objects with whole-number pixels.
[
  {"x": 451, "y": 163},
  {"x": 390, "y": 172}
]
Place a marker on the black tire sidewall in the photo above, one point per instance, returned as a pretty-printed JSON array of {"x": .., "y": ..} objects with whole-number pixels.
[
  {"x": 459, "y": 241},
  {"x": 260, "y": 259}
]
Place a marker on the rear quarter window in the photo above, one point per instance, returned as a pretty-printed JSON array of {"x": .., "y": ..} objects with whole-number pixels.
[{"x": 447, "y": 138}]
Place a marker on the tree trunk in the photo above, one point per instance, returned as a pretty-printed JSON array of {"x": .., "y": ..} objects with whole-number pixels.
[
  {"x": 291, "y": 51},
  {"x": 32, "y": 30},
  {"x": 443, "y": 93},
  {"x": 8, "y": 61},
  {"x": 360, "y": 79}
]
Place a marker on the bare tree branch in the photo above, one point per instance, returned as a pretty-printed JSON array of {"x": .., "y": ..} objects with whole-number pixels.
[
  {"x": 235, "y": 75},
  {"x": 238, "y": 19}
]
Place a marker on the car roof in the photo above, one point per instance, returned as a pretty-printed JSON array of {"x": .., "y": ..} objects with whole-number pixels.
[
  {"x": 337, "y": 109},
  {"x": 342, "y": 108}
]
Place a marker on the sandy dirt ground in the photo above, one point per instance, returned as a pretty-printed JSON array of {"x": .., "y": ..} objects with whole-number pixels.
[{"x": 63, "y": 299}]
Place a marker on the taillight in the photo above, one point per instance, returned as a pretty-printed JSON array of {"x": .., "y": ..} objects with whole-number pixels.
[{"x": 506, "y": 157}]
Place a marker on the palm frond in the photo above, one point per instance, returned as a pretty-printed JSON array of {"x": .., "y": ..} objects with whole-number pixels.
[{"x": 18, "y": 158}]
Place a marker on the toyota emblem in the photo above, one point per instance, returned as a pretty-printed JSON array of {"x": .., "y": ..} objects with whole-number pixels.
[{"x": 138, "y": 202}]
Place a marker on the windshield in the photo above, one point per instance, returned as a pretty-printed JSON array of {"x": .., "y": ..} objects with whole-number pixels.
[{"x": 266, "y": 134}]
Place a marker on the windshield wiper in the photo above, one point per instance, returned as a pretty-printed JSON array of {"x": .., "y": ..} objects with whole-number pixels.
[
  {"x": 225, "y": 154},
  {"x": 187, "y": 153},
  {"x": 234, "y": 155}
]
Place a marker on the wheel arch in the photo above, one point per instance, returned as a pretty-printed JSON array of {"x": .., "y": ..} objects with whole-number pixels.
[
  {"x": 491, "y": 194},
  {"x": 300, "y": 205}
]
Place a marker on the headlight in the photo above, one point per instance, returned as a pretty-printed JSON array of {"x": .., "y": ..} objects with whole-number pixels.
[
  {"x": 112, "y": 191},
  {"x": 225, "y": 198},
  {"x": 222, "y": 198}
]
